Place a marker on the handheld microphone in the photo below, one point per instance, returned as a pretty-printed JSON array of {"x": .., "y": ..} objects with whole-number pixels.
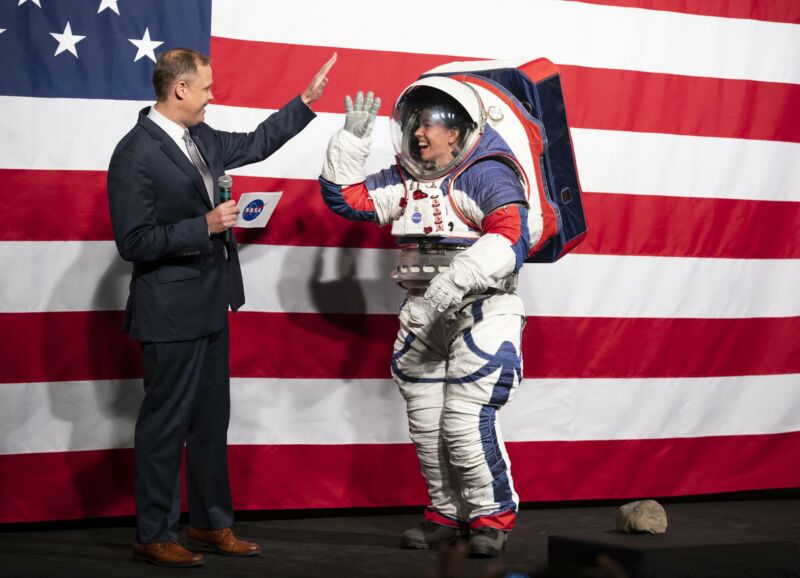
[{"x": 225, "y": 184}]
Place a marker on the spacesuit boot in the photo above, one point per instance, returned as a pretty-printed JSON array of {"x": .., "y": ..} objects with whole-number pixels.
[
  {"x": 430, "y": 535},
  {"x": 486, "y": 542}
]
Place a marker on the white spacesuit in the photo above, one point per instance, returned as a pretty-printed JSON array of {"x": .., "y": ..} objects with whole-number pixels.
[{"x": 458, "y": 202}]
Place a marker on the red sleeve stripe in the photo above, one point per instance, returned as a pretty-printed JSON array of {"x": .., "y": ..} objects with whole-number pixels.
[
  {"x": 357, "y": 196},
  {"x": 504, "y": 221}
]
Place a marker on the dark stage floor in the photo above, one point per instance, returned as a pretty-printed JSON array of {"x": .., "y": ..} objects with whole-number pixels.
[{"x": 366, "y": 543}]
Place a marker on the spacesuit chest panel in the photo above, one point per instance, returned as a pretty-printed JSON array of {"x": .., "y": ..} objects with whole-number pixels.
[{"x": 427, "y": 212}]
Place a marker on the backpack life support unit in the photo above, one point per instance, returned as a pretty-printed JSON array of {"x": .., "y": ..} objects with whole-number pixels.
[{"x": 528, "y": 96}]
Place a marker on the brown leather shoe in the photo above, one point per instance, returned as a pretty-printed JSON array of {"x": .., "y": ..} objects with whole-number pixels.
[
  {"x": 222, "y": 542},
  {"x": 167, "y": 554}
]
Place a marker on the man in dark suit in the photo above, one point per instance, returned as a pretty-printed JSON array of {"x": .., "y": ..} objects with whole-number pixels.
[{"x": 169, "y": 222}]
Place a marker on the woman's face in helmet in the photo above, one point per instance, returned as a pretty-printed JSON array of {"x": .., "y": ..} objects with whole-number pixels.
[{"x": 435, "y": 140}]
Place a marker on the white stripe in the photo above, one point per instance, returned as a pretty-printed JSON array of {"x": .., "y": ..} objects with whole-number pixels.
[
  {"x": 89, "y": 415},
  {"x": 63, "y": 276},
  {"x": 686, "y": 166},
  {"x": 618, "y": 409},
  {"x": 89, "y": 276},
  {"x": 72, "y": 134},
  {"x": 63, "y": 133},
  {"x": 68, "y": 416},
  {"x": 620, "y": 286},
  {"x": 565, "y": 32}
]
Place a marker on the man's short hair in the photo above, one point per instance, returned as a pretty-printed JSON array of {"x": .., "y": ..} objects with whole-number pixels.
[{"x": 173, "y": 65}]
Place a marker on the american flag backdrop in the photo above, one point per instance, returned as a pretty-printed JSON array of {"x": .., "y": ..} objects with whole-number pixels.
[{"x": 662, "y": 356}]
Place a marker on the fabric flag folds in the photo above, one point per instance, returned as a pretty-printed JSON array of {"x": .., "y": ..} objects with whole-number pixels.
[{"x": 662, "y": 357}]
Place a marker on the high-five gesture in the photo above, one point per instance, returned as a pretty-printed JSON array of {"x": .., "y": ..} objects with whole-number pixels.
[
  {"x": 317, "y": 84},
  {"x": 359, "y": 118}
]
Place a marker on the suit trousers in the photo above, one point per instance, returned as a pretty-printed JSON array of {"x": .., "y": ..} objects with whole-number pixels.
[{"x": 186, "y": 403}]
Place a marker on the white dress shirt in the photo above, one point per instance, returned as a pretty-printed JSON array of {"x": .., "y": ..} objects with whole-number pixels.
[{"x": 173, "y": 129}]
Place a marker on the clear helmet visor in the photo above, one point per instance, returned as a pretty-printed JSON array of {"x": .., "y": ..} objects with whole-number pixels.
[{"x": 432, "y": 132}]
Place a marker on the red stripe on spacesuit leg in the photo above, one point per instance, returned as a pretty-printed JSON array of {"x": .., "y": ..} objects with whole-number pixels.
[
  {"x": 505, "y": 221},
  {"x": 357, "y": 196},
  {"x": 437, "y": 518},
  {"x": 502, "y": 521}
]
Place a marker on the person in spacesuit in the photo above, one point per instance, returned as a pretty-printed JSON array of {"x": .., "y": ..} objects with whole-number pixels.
[{"x": 458, "y": 205}]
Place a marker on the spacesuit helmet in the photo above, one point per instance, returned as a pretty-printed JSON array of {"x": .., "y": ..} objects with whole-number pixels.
[{"x": 435, "y": 124}]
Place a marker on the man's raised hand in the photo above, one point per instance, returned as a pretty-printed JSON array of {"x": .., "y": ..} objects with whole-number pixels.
[{"x": 317, "y": 85}]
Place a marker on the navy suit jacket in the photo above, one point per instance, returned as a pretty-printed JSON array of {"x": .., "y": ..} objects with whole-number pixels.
[{"x": 182, "y": 284}]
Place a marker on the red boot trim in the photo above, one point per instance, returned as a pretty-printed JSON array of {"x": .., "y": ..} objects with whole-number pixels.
[
  {"x": 437, "y": 518},
  {"x": 501, "y": 520}
]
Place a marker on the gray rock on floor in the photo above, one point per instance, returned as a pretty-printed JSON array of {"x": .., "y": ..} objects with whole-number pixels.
[{"x": 643, "y": 516}]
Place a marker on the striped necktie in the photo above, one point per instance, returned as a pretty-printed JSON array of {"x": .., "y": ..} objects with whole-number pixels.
[{"x": 201, "y": 165}]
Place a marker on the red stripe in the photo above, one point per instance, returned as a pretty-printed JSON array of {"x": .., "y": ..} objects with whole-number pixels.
[
  {"x": 435, "y": 517},
  {"x": 504, "y": 221},
  {"x": 66, "y": 485},
  {"x": 596, "y": 98},
  {"x": 639, "y": 347},
  {"x": 690, "y": 227},
  {"x": 100, "y": 483},
  {"x": 301, "y": 218},
  {"x": 504, "y": 521},
  {"x": 325, "y": 476},
  {"x": 312, "y": 345},
  {"x": 627, "y": 100},
  {"x": 655, "y": 467},
  {"x": 769, "y": 10},
  {"x": 278, "y": 82},
  {"x": 54, "y": 205},
  {"x": 357, "y": 197},
  {"x": 620, "y": 224},
  {"x": 327, "y": 346},
  {"x": 66, "y": 346}
]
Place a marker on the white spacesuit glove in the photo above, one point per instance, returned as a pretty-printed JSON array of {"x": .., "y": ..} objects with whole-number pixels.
[
  {"x": 349, "y": 147},
  {"x": 359, "y": 119},
  {"x": 490, "y": 260},
  {"x": 447, "y": 290}
]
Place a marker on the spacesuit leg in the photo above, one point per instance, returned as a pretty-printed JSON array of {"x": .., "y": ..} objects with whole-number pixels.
[
  {"x": 484, "y": 369},
  {"x": 418, "y": 367}
]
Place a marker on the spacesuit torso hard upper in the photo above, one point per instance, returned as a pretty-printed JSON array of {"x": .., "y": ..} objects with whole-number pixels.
[{"x": 434, "y": 220}]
